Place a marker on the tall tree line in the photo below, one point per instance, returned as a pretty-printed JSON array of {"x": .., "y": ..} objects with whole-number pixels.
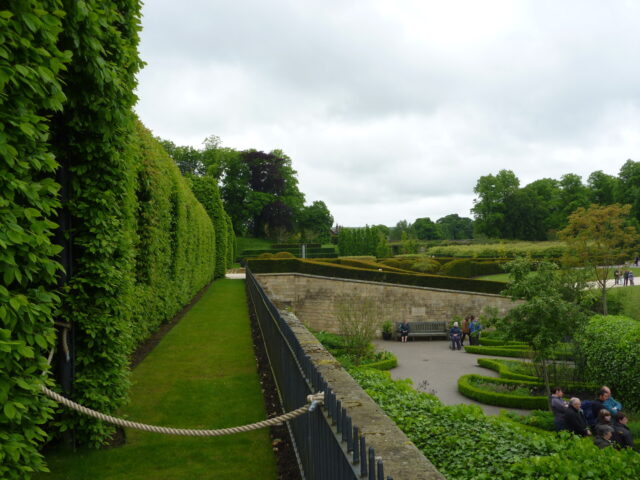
[
  {"x": 537, "y": 211},
  {"x": 259, "y": 190}
]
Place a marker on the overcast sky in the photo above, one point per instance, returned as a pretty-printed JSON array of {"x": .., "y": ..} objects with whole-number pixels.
[{"x": 392, "y": 110}]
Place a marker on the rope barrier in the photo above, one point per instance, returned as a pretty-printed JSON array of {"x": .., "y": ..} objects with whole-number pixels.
[{"x": 312, "y": 402}]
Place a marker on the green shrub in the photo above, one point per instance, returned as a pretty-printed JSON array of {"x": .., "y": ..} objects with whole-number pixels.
[
  {"x": 339, "y": 271},
  {"x": 609, "y": 348},
  {"x": 516, "y": 351},
  {"x": 426, "y": 265},
  {"x": 387, "y": 361},
  {"x": 266, "y": 255},
  {"x": 542, "y": 419},
  {"x": 284, "y": 255}
]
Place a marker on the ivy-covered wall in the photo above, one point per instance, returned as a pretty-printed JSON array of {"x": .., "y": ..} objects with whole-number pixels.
[{"x": 138, "y": 245}]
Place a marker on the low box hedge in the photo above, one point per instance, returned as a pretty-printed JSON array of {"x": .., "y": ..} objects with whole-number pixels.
[
  {"x": 504, "y": 370},
  {"x": 526, "y": 402},
  {"x": 515, "y": 351},
  {"x": 341, "y": 271},
  {"x": 502, "y": 399},
  {"x": 492, "y": 342},
  {"x": 387, "y": 364}
]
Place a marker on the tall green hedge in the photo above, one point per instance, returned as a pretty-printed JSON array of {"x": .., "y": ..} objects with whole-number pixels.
[
  {"x": 231, "y": 251},
  {"x": 30, "y": 90},
  {"x": 609, "y": 349},
  {"x": 206, "y": 191},
  {"x": 175, "y": 248},
  {"x": 311, "y": 267},
  {"x": 93, "y": 138}
]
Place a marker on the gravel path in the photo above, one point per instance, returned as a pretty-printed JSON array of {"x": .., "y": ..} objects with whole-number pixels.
[{"x": 432, "y": 361}]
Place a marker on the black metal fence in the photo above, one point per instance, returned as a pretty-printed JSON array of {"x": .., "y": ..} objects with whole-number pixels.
[{"x": 327, "y": 445}]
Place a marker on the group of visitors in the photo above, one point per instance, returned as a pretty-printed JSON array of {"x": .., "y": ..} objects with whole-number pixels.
[
  {"x": 602, "y": 419},
  {"x": 623, "y": 278},
  {"x": 470, "y": 328}
]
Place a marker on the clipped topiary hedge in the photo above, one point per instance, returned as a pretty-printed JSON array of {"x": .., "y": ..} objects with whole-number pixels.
[
  {"x": 339, "y": 271},
  {"x": 387, "y": 364},
  {"x": 471, "y": 267},
  {"x": 504, "y": 370},
  {"x": 528, "y": 402},
  {"x": 499, "y": 351},
  {"x": 491, "y": 342},
  {"x": 609, "y": 349}
]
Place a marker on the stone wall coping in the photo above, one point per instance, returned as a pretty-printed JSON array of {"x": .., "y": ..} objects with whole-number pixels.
[
  {"x": 402, "y": 459},
  {"x": 385, "y": 284}
]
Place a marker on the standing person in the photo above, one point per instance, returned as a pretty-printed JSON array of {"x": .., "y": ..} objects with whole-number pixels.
[
  {"x": 597, "y": 406},
  {"x": 621, "y": 433},
  {"x": 559, "y": 408},
  {"x": 454, "y": 334},
  {"x": 474, "y": 331},
  {"x": 616, "y": 276},
  {"x": 635, "y": 262},
  {"x": 404, "y": 331},
  {"x": 630, "y": 278},
  {"x": 574, "y": 419},
  {"x": 465, "y": 330},
  {"x": 625, "y": 275}
]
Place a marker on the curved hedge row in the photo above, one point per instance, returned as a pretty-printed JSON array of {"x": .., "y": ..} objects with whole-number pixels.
[
  {"x": 504, "y": 370},
  {"x": 30, "y": 91},
  {"x": 527, "y": 402},
  {"x": 515, "y": 351},
  {"x": 383, "y": 364},
  {"x": 338, "y": 271},
  {"x": 609, "y": 347},
  {"x": 491, "y": 342}
]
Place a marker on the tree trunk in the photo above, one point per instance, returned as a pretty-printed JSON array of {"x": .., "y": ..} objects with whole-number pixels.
[{"x": 604, "y": 299}]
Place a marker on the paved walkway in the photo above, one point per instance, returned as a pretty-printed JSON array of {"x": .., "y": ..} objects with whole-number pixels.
[{"x": 432, "y": 361}]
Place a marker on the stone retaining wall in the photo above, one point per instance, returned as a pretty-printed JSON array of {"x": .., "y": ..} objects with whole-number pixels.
[
  {"x": 402, "y": 459},
  {"x": 312, "y": 299}
]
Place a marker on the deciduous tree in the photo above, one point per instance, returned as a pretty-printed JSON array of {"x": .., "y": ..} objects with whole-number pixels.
[{"x": 597, "y": 238}]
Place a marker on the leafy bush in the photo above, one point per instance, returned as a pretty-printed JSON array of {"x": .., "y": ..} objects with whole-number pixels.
[
  {"x": 426, "y": 265},
  {"x": 463, "y": 443},
  {"x": 609, "y": 350},
  {"x": 542, "y": 419},
  {"x": 339, "y": 271}
]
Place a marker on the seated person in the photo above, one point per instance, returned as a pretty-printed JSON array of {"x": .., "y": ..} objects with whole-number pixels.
[
  {"x": 604, "y": 434},
  {"x": 456, "y": 335},
  {"x": 574, "y": 420},
  {"x": 611, "y": 403},
  {"x": 404, "y": 331},
  {"x": 621, "y": 433}
]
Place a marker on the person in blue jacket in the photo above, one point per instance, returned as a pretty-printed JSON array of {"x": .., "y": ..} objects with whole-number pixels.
[
  {"x": 611, "y": 403},
  {"x": 474, "y": 331}
]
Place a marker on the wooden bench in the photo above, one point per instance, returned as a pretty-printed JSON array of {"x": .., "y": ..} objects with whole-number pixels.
[{"x": 425, "y": 329}]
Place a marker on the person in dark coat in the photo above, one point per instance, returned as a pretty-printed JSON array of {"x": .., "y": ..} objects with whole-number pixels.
[
  {"x": 603, "y": 436},
  {"x": 621, "y": 433},
  {"x": 404, "y": 331},
  {"x": 574, "y": 419},
  {"x": 559, "y": 408},
  {"x": 598, "y": 405}
]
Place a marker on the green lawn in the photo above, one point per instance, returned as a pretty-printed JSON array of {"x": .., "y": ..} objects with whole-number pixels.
[
  {"x": 202, "y": 375},
  {"x": 504, "y": 277}
]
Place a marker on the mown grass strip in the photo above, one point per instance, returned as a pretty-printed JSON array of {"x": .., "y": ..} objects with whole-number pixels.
[{"x": 201, "y": 375}]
